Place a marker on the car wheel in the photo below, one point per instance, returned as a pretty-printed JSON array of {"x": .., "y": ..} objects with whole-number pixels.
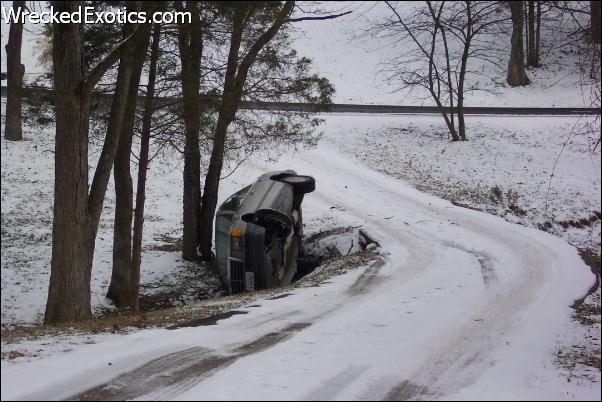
[{"x": 301, "y": 184}]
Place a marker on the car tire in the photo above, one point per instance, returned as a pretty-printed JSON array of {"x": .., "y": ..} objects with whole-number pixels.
[{"x": 301, "y": 184}]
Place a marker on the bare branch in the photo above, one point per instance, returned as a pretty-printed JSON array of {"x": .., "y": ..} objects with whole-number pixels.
[
  {"x": 320, "y": 18},
  {"x": 98, "y": 71}
]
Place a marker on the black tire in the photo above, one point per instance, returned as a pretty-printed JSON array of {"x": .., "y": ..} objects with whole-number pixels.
[{"x": 301, "y": 184}]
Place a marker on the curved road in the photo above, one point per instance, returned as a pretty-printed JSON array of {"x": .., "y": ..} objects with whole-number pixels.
[{"x": 466, "y": 305}]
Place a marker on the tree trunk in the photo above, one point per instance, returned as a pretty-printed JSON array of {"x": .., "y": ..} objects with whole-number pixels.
[
  {"x": 449, "y": 119},
  {"x": 190, "y": 44},
  {"x": 595, "y": 20},
  {"x": 526, "y": 29},
  {"x": 119, "y": 290},
  {"x": 461, "y": 79},
  {"x": 77, "y": 213},
  {"x": 210, "y": 191},
  {"x": 463, "y": 68},
  {"x": 537, "y": 34},
  {"x": 234, "y": 81},
  {"x": 69, "y": 289},
  {"x": 450, "y": 87},
  {"x": 142, "y": 169},
  {"x": 516, "y": 65},
  {"x": 14, "y": 71},
  {"x": 532, "y": 56},
  {"x": 225, "y": 117}
]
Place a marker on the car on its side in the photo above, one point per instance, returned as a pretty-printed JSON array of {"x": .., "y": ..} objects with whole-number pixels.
[{"x": 259, "y": 231}]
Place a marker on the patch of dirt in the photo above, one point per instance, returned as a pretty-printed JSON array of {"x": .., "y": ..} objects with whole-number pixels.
[
  {"x": 339, "y": 242},
  {"x": 208, "y": 320},
  {"x": 169, "y": 244},
  {"x": 193, "y": 283},
  {"x": 326, "y": 233},
  {"x": 282, "y": 296},
  {"x": 582, "y": 358},
  {"x": 581, "y": 223},
  {"x": 338, "y": 266}
]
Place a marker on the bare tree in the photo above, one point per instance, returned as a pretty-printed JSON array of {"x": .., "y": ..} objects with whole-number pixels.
[
  {"x": 445, "y": 36},
  {"x": 14, "y": 71},
  {"x": 533, "y": 32},
  {"x": 517, "y": 75},
  {"x": 578, "y": 27},
  {"x": 434, "y": 80}
]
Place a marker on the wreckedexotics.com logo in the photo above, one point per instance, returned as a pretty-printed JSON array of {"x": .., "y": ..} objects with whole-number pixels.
[{"x": 89, "y": 15}]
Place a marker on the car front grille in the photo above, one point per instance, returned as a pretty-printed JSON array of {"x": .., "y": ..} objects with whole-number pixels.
[{"x": 237, "y": 276}]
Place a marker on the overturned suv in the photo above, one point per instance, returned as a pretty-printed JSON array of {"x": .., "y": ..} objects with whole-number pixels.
[{"x": 259, "y": 230}]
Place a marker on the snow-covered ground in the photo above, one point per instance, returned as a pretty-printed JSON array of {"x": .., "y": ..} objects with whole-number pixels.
[
  {"x": 27, "y": 188},
  {"x": 355, "y": 62},
  {"x": 515, "y": 154},
  {"x": 546, "y": 168},
  {"x": 466, "y": 306}
]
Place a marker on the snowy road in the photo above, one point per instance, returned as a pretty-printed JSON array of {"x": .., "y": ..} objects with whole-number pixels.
[{"x": 466, "y": 306}]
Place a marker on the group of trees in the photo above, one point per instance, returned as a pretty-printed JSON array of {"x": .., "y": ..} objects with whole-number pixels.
[
  {"x": 440, "y": 40},
  {"x": 175, "y": 85},
  {"x": 179, "y": 86}
]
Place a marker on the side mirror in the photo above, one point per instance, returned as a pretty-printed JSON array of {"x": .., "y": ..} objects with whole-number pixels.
[{"x": 270, "y": 219}]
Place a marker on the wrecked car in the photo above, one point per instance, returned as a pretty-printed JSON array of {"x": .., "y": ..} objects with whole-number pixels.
[{"x": 259, "y": 230}]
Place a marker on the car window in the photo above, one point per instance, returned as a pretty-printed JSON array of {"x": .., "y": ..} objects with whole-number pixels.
[{"x": 235, "y": 200}]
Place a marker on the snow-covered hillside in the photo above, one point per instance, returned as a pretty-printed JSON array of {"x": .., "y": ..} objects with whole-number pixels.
[
  {"x": 354, "y": 62},
  {"x": 466, "y": 306},
  {"x": 516, "y": 154}
]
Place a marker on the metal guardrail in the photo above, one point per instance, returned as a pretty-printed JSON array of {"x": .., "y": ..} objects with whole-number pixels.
[
  {"x": 47, "y": 94},
  {"x": 394, "y": 109}
]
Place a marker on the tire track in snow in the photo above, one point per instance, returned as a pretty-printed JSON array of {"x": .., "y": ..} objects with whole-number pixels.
[
  {"x": 367, "y": 279},
  {"x": 487, "y": 268},
  {"x": 462, "y": 357},
  {"x": 170, "y": 375},
  {"x": 514, "y": 267},
  {"x": 459, "y": 356}
]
